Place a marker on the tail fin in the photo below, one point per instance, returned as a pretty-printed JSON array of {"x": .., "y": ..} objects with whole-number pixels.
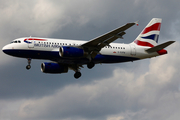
[{"x": 149, "y": 36}]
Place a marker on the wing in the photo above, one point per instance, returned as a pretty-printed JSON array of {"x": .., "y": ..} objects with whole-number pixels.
[{"x": 94, "y": 46}]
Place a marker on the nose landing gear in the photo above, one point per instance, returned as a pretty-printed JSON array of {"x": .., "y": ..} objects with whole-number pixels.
[
  {"x": 28, "y": 67},
  {"x": 29, "y": 62}
]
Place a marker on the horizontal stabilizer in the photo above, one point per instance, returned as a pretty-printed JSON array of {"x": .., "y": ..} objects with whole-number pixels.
[{"x": 159, "y": 47}]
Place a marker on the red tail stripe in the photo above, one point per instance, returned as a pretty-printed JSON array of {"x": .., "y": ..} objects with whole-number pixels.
[
  {"x": 142, "y": 43},
  {"x": 155, "y": 26}
]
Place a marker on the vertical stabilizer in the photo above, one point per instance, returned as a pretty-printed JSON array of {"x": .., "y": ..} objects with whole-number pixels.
[{"x": 150, "y": 34}]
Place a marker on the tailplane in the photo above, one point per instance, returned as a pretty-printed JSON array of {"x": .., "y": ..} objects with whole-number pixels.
[
  {"x": 150, "y": 34},
  {"x": 160, "y": 48}
]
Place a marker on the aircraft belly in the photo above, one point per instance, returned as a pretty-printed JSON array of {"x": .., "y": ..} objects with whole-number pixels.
[
  {"x": 54, "y": 56},
  {"x": 113, "y": 59}
]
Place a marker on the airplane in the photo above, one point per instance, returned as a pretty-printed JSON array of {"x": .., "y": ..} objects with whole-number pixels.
[{"x": 67, "y": 55}]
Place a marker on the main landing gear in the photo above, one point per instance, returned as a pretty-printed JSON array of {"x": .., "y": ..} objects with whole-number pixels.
[
  {"x": 77, "y": 75},
  {"x": 29, "y": 62},
  {"x": 76, "y": 69},
  {"x": 90, "y": 65}
]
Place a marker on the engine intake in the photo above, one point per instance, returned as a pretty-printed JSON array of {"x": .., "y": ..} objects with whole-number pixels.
[
  {"x": 71, "y": 52},
  {"x": 53, "y": 68}
]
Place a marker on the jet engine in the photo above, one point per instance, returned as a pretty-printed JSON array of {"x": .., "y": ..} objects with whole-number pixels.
[
  {"x": 71, "y": 52},
  {"x": 53, "y": 68}
]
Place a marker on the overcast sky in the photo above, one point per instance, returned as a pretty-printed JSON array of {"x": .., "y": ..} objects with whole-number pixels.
[{"x": 142, "y": 90}]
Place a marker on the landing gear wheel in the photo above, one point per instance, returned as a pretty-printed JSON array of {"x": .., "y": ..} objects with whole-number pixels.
[
  {"x": 29, "y": 62},
  {"x": 77, "y": 75},
  {"x": 90, "y": 65},
  {"x": 28, "y": 67}
]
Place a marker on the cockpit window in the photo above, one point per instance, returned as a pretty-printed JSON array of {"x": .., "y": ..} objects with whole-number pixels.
[{"x": 16, "y": 41}]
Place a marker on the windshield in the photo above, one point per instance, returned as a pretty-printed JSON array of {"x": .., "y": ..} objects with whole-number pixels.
[{"x": 16, "y": 41}]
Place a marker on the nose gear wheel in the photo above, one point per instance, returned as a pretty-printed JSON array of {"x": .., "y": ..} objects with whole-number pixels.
[{"x": 29, "y": 62}]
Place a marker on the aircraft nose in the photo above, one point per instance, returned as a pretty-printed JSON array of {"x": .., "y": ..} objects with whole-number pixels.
[{"x": 6, "y": 49}]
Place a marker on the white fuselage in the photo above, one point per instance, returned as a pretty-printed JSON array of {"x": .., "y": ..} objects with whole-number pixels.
[{"x": 39, "y": 47}]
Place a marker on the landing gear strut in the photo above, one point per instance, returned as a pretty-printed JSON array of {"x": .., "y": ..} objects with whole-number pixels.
[
  {"x": 76, "y": 68},
  {"x": 77, "y": 75},
  {"x": 29, "y": 62}
]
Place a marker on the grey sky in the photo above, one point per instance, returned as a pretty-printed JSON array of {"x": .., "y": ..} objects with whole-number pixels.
[{"x": 147, "y": 89}]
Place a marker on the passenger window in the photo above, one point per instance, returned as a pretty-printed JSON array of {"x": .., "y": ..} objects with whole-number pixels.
[
  {"x": 19, "y": 41},
  {"x": 15, "y": 41}
]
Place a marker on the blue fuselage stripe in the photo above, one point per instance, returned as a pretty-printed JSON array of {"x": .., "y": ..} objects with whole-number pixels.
[{"x": 54, "y": 55}]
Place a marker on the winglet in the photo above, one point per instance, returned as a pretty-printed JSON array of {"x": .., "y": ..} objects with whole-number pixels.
[{"x": 137, "y": 23}]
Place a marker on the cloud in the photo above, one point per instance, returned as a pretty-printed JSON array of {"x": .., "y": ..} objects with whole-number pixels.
[
  {"x": 115, "y": 118},
  {"x": 25, "y": 18},
  {"x": 126, "y": 94}
]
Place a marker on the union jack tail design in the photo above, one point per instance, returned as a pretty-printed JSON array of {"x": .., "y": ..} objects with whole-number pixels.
[{"x": 149, "y": 36}]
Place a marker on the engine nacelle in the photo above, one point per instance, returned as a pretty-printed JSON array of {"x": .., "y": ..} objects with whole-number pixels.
[
  {"x": 71, "y": 52},
  {"x": 53, "y": 68}
]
